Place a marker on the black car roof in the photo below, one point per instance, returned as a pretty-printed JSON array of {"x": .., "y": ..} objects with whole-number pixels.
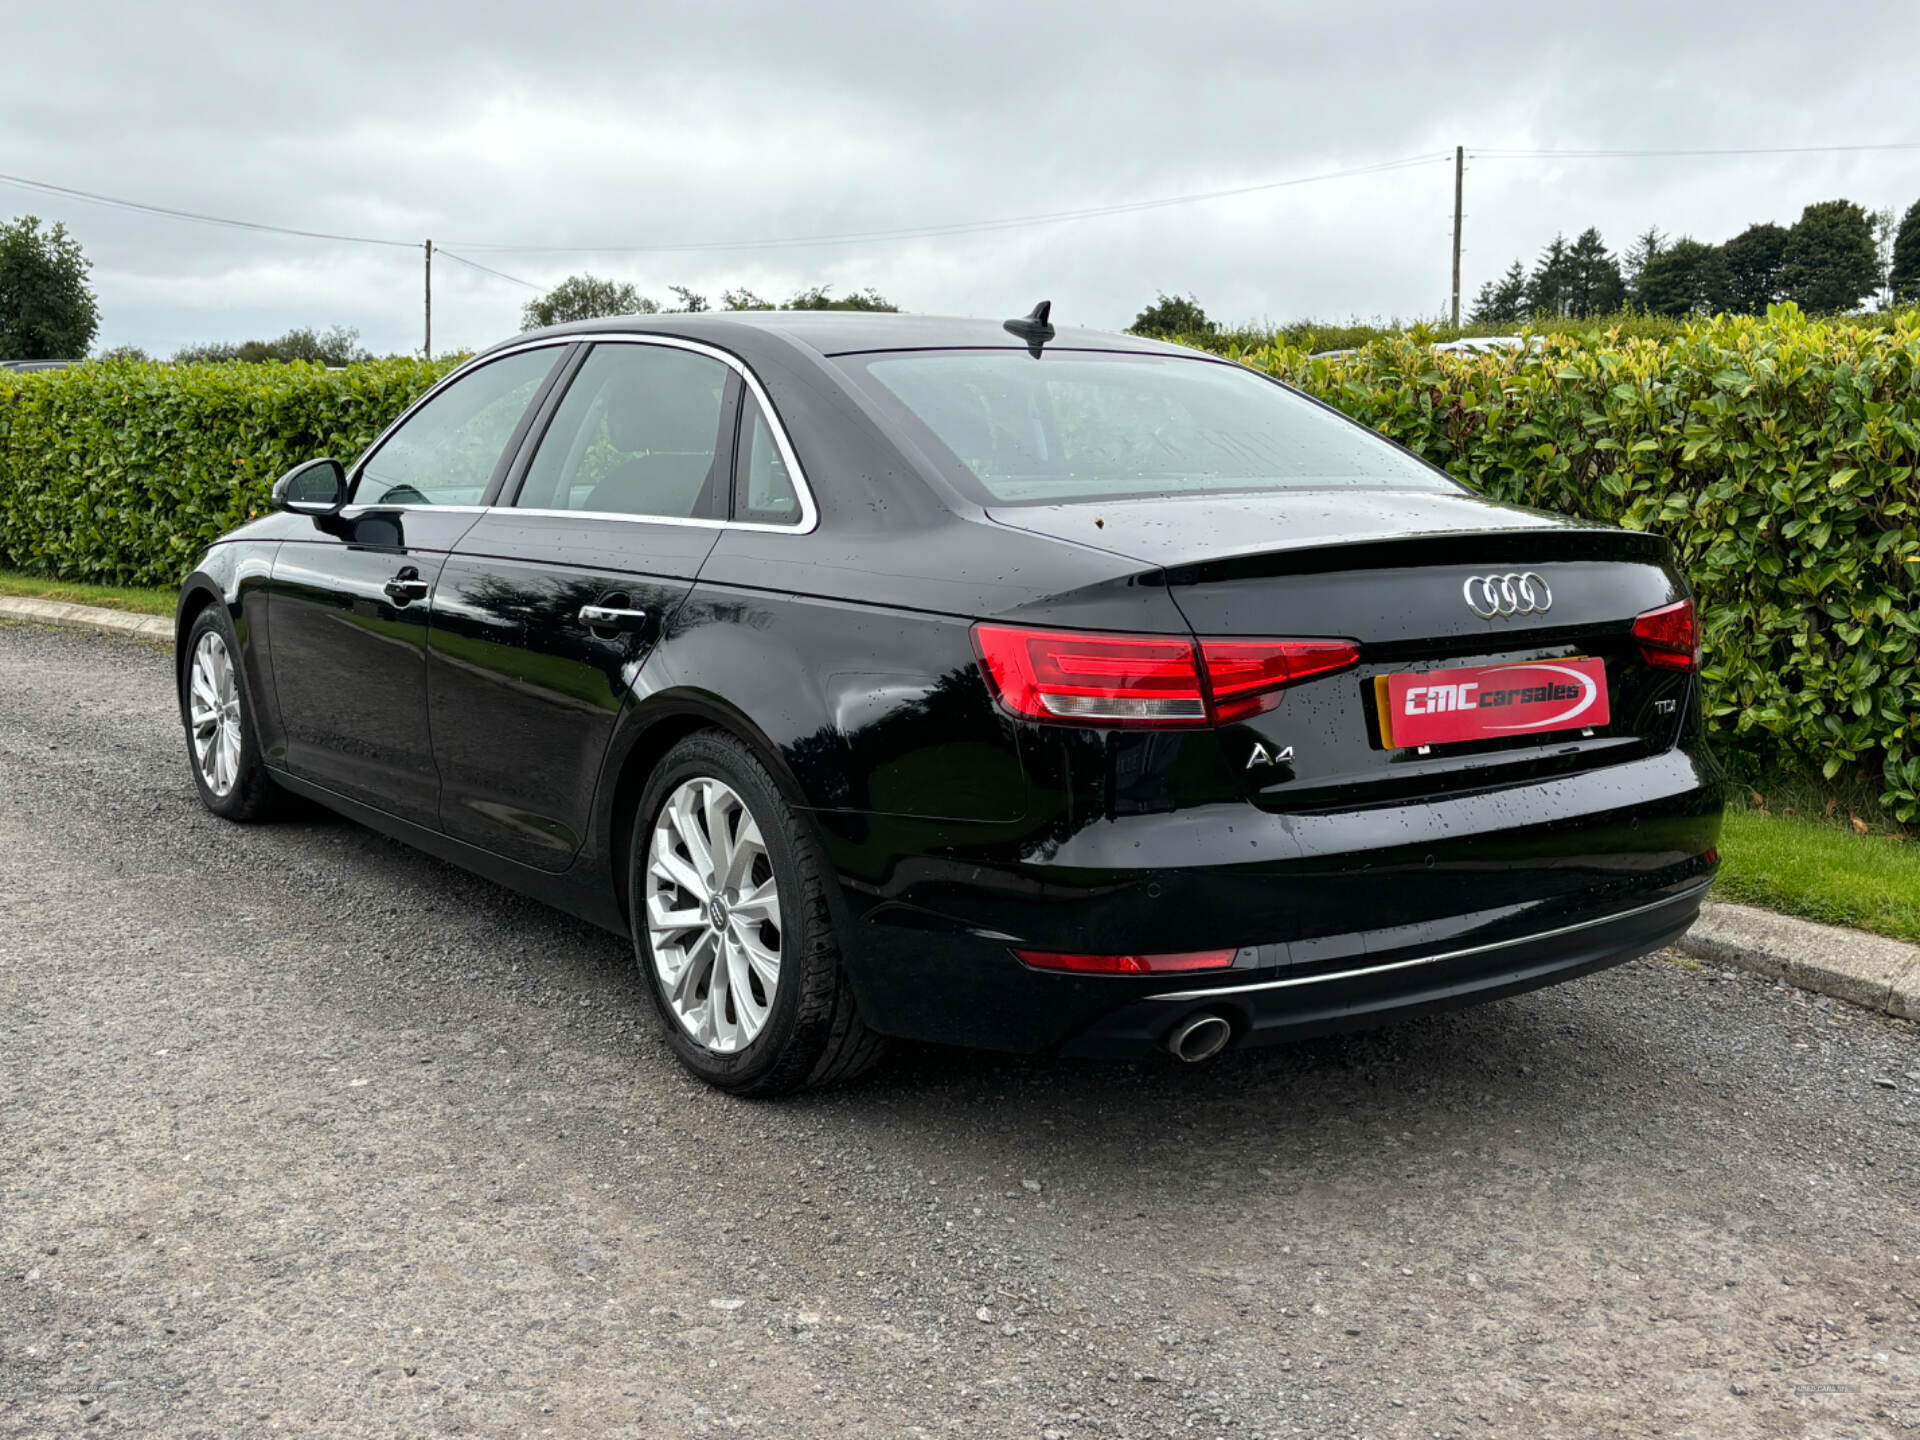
[{"x": 842, "y": 332}]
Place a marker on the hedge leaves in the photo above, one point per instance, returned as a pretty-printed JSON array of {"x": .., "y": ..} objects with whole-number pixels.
[
  {"x": 1778, "y": 454},
  {"x": 121, "y": 472}
]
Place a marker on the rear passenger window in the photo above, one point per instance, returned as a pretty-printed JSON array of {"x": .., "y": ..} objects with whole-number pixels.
[
  {"x": 766, "y": 494},
  {"x": 637, "y": 434}
]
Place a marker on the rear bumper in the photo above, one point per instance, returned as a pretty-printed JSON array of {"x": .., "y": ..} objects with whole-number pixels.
[
  {"x": 1338, "y": 919},
  {"x": 1346, "y": 996}
]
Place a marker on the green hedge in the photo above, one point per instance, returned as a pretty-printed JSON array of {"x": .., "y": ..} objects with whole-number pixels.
[
  {"x": 1779, "y": 456},
  {"x": 1316, "y": 335},
  {"x": 121, "y": 472}
]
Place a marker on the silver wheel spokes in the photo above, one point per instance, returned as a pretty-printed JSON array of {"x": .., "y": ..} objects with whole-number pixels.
[
  {"x": 213, "y": 714},
  {"x": 713, "y": 915}
]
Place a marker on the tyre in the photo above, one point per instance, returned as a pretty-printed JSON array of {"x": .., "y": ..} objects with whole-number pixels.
[
  {"x": 222, "y": 749},
  {"x": 732, "y": 925}
]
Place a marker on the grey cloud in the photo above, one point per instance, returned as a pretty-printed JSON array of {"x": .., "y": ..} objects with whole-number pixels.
[{"x": 601, "y": 123}]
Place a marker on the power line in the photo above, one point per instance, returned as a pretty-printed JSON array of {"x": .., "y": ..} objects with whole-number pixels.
[
  {"x": 965, "y": 227},
  {"x": 445, "y": 253},
  {"x": 1655, "y": 154},
  {"x": 968, "y": 227},
  {"x": 850, "y": 237},
  {"x": 195, "y": 216}
]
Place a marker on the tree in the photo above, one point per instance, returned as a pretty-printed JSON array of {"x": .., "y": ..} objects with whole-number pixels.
[
  {"x": 691, "y": 301},
  {"x": 209, "y": 352},
  {"x": 1886, "y": 226},
  {"x": 1904, "y": 277},
  {"x": 1547, "y": 286},
  {"x": 338, "y": 346},
  {"x": 1755, "y": 258},
  {"x": 1594, "y": 285},
  {"x": 1643, "y": 249},
  {"x": 1687, "y": 277},
  {"x": 1503, "y": 301},
  {"x": 585, "y": 297},
  {"x": 125, "y": 352},
  {"x": 1830, "y": 263},
  {"x": 818, "y": 298},
  {"x": 47, "y": 309},
  {"x": 1173, "y": 315}
]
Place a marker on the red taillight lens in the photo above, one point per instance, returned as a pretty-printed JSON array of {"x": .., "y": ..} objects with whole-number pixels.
[
  {"x": 1069, "y": 675},
  {"x": 1246, "y": 675},
  {"x": 1155, "y": 680},
  {"x": 1128, "y": 964},
  {"x": 1670, "y": 636}
]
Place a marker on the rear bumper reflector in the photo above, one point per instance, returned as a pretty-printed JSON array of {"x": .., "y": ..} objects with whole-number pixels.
[{"x": 1128, "y": 964}]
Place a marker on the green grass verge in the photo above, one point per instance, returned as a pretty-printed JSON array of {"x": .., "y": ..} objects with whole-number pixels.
[
  {"x": 107, "y": 597},
  {"x": 1821, "y": 871}
]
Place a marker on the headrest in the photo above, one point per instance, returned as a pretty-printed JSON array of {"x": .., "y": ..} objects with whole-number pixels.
[{"x": 664, "y": 404}]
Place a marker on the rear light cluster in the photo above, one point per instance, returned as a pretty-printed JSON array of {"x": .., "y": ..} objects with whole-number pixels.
[
  {"x": 1128, "y": 964},
  {"x": 1670, "y": 636},
  {"x": 1147, "y": 680}
]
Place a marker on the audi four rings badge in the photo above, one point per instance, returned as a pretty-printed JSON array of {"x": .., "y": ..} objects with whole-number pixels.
[{"x": 1491, "y": 595}]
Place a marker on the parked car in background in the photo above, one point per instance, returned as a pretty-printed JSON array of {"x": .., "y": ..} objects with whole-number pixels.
[
  {"x": 993, "y": 684},
  {"x": 1486, "y": 344},
  {"x": 24, "y": 366},
  {"x": 1467, "y": 345}
]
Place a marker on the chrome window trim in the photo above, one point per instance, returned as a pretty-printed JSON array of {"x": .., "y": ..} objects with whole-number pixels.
[
  {"x": 809, "y": 513},
  {"x": 694, "y": 522},
  {"x": 1435, "y": 959},
  {"x": 354, "y": 512}
]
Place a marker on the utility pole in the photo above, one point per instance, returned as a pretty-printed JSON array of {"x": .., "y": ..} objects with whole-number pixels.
[
  {"x": 427, "y": 349},
  {"x": 1459, "y": 170}
]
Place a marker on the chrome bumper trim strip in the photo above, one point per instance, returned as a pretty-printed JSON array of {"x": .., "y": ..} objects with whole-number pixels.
[{"x": 1291, "y": 981}]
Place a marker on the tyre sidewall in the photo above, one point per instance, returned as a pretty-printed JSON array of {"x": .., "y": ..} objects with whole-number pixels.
[
  {"x": 719, "y": 758},
  {"x": 251, "y": 789}
]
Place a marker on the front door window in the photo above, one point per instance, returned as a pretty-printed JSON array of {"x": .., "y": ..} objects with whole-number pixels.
[{"x": 445, "y": 453}]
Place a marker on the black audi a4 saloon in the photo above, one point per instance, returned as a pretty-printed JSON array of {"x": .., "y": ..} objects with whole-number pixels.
[{"x": 970, "y": 681}]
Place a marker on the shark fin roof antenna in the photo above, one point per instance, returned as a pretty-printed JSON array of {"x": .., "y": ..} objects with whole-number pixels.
[{"x": 1033, "y": 328}]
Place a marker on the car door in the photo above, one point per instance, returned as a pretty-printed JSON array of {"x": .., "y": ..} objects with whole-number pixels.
[
  {"x": 348, "y": 602},
  {"x": 552, "y": 602}
]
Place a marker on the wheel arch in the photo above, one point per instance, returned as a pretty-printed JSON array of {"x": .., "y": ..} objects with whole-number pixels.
[
  {"x": 197, "y": 594},
  {"x": 655, "y": 727}
]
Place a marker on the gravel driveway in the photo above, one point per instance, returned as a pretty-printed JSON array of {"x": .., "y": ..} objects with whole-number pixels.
[{"x": 306, "y": 1132}]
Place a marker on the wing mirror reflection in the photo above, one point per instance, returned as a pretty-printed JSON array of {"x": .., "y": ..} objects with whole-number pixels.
[{"x": 317, "y": 488}]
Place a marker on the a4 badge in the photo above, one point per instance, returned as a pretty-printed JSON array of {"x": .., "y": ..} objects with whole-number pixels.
[{"x": 1263, "y": 756}]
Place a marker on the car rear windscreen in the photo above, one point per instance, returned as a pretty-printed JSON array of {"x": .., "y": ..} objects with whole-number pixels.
[{"x": 1088, "y": 425}]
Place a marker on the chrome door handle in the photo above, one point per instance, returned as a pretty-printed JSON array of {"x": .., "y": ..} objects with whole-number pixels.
[
  {"x": 607, "y": 617},
  {"x": 404, "y": 588}
]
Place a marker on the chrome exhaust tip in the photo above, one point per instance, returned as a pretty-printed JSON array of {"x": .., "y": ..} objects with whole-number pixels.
[{"x": 1199, "y": 1037}]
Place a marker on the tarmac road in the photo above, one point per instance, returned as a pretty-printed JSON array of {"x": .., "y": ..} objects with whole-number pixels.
[{"x": 303, "y": 1132}]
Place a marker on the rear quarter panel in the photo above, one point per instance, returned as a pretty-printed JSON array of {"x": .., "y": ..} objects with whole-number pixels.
[
  {"x": 869, "y": 708},
  {"x": 854, "y": 654}
]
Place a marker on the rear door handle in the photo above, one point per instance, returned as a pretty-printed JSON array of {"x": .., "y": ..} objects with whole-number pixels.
[
  {"x": 407, "y": 586},
  {"x": 608, "y": 617}
]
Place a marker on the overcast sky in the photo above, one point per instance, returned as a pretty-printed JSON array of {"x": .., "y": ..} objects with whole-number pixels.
[{"x": 581, "y": 124}]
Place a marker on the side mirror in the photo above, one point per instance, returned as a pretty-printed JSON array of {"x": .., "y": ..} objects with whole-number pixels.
[{"x": 317, "y": 488}]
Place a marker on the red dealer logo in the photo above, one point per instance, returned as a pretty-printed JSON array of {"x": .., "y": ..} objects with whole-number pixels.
[{"x": 1438, "y": 707}]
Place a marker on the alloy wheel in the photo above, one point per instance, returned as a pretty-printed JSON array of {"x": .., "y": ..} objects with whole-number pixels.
[
  {"x": 713, "y": 915},
  {"x": 213, "y": 714}
]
